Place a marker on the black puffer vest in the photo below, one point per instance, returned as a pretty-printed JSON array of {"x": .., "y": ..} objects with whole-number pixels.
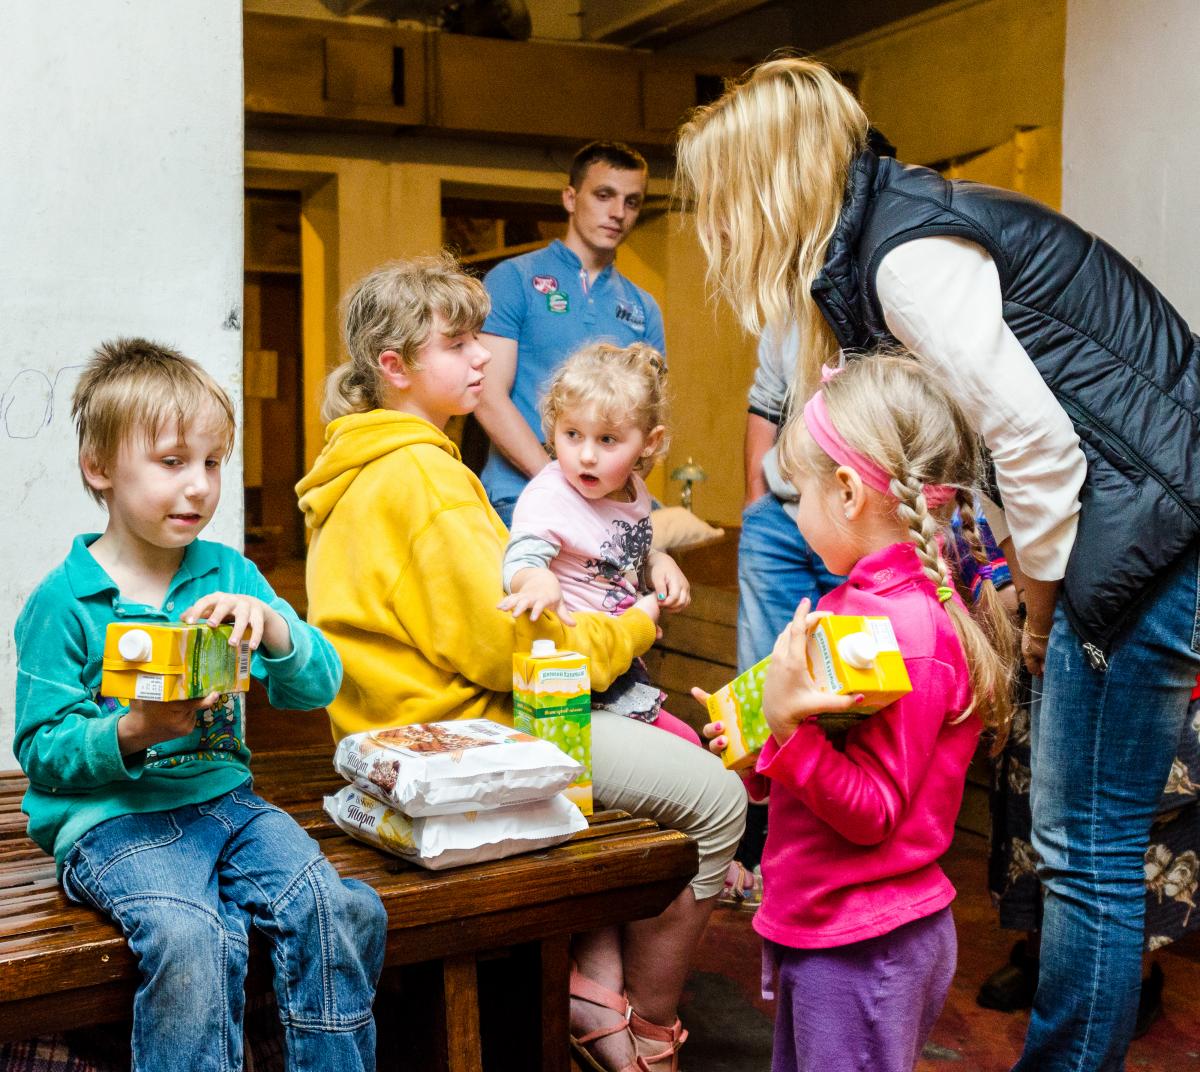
[{"x": 1120, "y": 360}]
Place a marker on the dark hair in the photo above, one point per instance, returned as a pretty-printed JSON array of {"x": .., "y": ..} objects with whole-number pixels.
[{"x": 615, "y": 154}]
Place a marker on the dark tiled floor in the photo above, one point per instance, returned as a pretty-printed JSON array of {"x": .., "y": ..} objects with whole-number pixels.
[{"x": 730, "y": 1024}]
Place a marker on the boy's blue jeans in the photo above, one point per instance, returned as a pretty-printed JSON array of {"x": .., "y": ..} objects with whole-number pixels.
[
  {"x": 1102, "y": 746},
  {"x": 776, "y": 569},
  {"x": 185, "y": 887}
]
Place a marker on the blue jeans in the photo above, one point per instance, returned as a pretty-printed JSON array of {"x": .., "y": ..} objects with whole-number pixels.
[
  {"x": 185, "y": 886},
  {"x": 1102, "y": 746},
  {"x": 505, "y": 508},
  {"x": 776, "y": 570}
]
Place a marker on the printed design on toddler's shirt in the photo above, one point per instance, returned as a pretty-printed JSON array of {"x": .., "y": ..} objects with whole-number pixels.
[
  {"x": 219, "y": 739},
  {"x": 619, "y": 571}
]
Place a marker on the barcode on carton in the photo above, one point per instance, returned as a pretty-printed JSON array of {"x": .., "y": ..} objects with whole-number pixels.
[
  {"x": 149, "y": 687},
  {"x": 883, "y": 634}
]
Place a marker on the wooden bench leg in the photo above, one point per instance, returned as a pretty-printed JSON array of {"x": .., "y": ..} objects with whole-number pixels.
[
  {"x": 460, "y": 987},
  {"x": 556, "y": 1004}
]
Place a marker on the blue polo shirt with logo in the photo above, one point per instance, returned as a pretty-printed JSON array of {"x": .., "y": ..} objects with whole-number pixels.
[{"x": 544, "y": 301}]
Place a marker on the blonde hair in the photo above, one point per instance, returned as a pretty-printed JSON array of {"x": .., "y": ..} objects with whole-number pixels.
[
  {"x": 135, "y": 385},
  {"x": 620, "y": 384},
  {"x": 892, "y": 410},
  {"x": 766, "y": 167},
  {"x": 393, "y": 308}
]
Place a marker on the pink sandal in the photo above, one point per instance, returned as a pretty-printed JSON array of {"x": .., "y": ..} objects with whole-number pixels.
[
  {"x": 586, "y": 990},
  {"x": 743, "y": 888},
  {"x": 644, "y": 1031}
]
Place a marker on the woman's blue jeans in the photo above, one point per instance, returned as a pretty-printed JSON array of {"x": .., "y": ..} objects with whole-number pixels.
[
  {"x": 186, "y": 885},
  {"x": 1102, "y": 744},
  {"x": 776, "y": 569}
]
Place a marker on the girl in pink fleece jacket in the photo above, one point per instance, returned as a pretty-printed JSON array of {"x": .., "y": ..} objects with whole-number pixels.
[{"x": 855, "y": 911}]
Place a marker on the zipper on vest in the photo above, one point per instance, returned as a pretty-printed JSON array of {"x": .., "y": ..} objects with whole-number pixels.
[
  {"x": 1083, "y": 416},
  {"x": 1095, "y": 657}
]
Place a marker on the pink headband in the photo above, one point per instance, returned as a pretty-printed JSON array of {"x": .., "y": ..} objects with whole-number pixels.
[{"x": 827, "y": 437}]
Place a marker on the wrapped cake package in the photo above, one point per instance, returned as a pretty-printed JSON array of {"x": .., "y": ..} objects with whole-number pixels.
[
  {"x": 441, "y": 841},
  {"x": 446, "y": 768}
]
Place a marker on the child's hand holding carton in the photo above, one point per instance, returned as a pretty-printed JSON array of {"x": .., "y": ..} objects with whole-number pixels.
[{"x": 847, "y": 655}]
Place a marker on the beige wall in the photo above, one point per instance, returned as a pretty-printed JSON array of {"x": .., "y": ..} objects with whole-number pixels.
[
  {"x": 962, "y": 77},
  {"x": 1131, "y": 136}
]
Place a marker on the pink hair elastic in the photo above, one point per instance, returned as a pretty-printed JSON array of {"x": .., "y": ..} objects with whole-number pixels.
[{"x": 827, "y": 437}]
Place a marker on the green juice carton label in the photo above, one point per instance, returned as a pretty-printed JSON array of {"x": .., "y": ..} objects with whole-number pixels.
[
  {"x": 739, "y": 706},
  {"x": 552, "y": 699}
]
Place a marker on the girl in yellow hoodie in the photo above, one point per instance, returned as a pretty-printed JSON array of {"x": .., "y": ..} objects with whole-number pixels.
[{"x": 404, "y": 577}]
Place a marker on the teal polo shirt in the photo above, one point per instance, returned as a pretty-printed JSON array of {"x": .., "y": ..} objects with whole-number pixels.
[
  {"x": 66, "y": 732},
  {"x": 544, "y": 302}
]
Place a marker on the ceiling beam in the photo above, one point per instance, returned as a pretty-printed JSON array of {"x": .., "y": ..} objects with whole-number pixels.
[{"x": 640, "y": 22}]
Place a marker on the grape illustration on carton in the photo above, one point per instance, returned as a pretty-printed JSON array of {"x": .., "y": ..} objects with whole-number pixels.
[{"x": 552, "y": 699}]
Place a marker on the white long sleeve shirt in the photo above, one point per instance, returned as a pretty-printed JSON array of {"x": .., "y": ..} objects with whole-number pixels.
[{"x": 941, "y": 298}]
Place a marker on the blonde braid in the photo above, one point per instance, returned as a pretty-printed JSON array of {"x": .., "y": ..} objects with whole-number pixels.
[{"x": 912, "y": 508}]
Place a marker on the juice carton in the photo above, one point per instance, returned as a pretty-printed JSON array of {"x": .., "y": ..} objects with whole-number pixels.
[
  {"x": 172, "y": 661},
  {"x": 848, "y": 654},
  {"x": 552, "y": 699},
  {"x": 739, "y": 706}
]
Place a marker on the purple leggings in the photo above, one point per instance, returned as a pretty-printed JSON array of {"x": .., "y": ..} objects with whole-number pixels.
[{"x": 865, "y": 1007}]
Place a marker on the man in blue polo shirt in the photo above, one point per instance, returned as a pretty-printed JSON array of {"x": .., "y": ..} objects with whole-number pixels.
[{"x": 548, "y": 303}]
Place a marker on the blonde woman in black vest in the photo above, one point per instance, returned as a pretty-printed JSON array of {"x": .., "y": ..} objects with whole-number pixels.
[{"x": 1084, "y": 383}]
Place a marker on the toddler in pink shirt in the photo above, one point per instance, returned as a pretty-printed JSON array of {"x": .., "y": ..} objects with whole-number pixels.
[
  {"x": 580, "y": 537},
  {"x": 855, "y": 916}
]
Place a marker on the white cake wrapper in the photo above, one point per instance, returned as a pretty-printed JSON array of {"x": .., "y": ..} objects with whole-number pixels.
[
  {"x": 441, "y": 841},
  {"x": 446, "y": 768}
]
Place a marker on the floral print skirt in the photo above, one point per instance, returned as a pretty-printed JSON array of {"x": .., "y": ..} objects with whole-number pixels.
[{"x": 1172, "y": 858}]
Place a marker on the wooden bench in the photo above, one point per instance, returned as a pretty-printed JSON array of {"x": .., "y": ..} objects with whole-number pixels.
[
  {"x": 698, "y": 647},
  {"x": 66, "y": 967}
]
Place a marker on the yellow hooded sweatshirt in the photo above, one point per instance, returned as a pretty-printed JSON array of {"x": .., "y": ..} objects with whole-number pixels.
[{"x": 404, "y": 577}]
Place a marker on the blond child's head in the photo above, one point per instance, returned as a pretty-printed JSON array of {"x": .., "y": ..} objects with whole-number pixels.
[
  {"x": 396, "y": 309},
  {"x": 131, "y": 393},
  {"x": 616, "y": 395},
  {"x": 895, "y": 424}
]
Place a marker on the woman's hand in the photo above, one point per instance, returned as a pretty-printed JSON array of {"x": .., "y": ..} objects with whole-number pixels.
[
  {"x": 536, "y": 590},
  {"x": 713, "y": 732},
  {"x": 667, "y": 579},
  {"x": 265, "y": 625},
  {"x": 1040, "y": 599},
  {"x": 1033, "y": 649},
  {"x": 790, "y": 696}
]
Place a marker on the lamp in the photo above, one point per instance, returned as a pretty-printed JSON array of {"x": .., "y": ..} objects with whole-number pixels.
[{"x": 690, "y": 473}]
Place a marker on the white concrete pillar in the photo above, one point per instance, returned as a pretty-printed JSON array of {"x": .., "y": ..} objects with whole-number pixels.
[
  {"x": 1131, "y": 135},
  {"x": 120, "y": 214}
]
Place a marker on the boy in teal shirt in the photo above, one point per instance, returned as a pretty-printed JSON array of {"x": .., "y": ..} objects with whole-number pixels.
[{"x": 148, "y": 808}]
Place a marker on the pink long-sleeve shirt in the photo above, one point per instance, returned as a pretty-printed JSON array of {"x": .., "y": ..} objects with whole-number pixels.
[{"x": 854, "y": 836}]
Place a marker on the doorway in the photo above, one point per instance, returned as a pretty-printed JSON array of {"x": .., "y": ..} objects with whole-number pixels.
[{"x": 273, "y": 379}]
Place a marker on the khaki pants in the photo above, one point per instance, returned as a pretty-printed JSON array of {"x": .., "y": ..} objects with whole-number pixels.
[{"x": 654, "y": 774}]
